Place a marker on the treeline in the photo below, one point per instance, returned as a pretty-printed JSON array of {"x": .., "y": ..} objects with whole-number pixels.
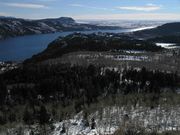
[
  {"x": 63, "y": 83},
  {"x": 167, "y": 39}
]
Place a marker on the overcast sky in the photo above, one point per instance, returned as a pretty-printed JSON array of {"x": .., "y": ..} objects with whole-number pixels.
[{"x": 93, "y": 9}]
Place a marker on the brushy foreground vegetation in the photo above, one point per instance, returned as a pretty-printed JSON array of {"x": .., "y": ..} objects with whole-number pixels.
[{"x": 43, "y": 95}]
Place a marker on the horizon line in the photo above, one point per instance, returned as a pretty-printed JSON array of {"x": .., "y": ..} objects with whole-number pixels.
[{"x": 92, "y": 19}]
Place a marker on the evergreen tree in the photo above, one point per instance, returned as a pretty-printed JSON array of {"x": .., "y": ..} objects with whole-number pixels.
[
  {"x": 93, "y": 123},
  {"x": 27, "y": 117},
  {"x": 43, "y": 116}
]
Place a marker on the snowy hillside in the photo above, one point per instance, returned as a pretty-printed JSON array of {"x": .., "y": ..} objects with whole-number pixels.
[{"x": 110, "y": 119}]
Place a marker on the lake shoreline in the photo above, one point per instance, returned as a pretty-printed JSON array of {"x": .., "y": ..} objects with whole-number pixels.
[{"x": 23, "y": 47}]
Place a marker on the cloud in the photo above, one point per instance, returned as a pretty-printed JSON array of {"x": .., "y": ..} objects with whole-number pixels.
[
  {"x": 90, "y": 7},
  {"x": 77, "y": 5},
  {"x": 4, "y": 14},
  {"x": 47, "y": 0},
  {"x": 148, "y": 7},
  {"x": 26, "y": 5},
  {"x": 132, "y": 16}
]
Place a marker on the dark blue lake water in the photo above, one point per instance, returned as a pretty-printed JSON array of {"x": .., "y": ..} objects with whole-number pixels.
[{"x": 21, "y": 48}]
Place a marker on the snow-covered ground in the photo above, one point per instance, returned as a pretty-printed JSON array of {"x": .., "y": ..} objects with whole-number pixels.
[
  {"x": 115, "y": 57},
  {"x": 131, "y": 58},
  {"x": 168, "y": 45},
  {"x": 110, "y": 119},
  {"x": 7, "y": 66},
  {"x": 133, "y": 51}
]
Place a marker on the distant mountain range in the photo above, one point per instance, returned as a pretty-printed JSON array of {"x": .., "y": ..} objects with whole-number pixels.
[{"x": 11, "y": 27}]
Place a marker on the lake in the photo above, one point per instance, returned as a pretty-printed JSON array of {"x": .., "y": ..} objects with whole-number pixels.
[{"x": 23, "y": 47}]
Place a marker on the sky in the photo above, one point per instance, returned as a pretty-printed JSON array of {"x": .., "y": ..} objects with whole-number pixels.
[{"x": 92, "y": 9}]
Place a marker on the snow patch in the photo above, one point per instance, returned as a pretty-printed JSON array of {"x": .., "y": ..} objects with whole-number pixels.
[{"x": 167, "y": 45}]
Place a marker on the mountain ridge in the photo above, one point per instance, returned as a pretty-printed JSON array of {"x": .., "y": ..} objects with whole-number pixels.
[{"x": 11, "y": 27}]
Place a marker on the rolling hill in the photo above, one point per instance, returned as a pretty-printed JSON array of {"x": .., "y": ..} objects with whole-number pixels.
[
  {"x": 163, "y": 30},
  {"x": 91, "y": 42}
]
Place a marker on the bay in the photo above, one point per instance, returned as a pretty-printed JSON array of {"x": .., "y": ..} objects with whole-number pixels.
[{"x": 23, "y": 47}]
